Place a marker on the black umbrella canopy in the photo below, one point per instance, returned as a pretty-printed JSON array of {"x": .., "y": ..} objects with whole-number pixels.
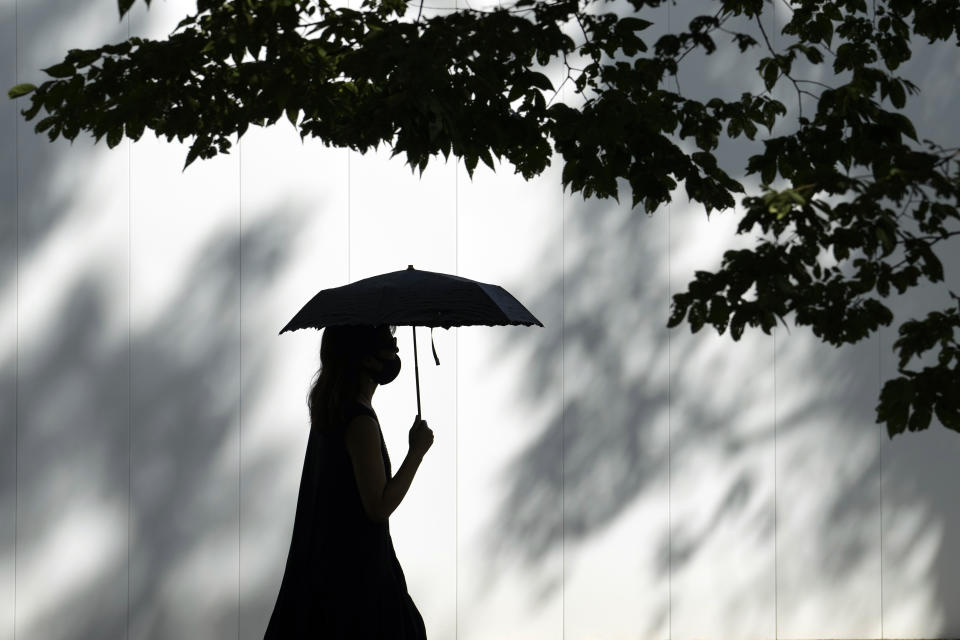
[
  {"x": 416, "y": 299},
  {"x": 411, "y": 297}
]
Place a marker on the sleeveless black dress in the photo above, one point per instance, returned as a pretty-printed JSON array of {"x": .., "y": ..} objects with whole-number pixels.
[{"x": 342, "y": 577}]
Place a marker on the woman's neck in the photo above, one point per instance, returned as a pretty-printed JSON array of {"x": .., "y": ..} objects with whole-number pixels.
[{"x": 365, "y": 395}]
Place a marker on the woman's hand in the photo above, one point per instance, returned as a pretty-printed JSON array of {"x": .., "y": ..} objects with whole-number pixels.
[{"x": 421, "y": 438}]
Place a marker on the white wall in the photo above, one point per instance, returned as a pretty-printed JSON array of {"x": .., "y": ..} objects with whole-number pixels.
[{"x": 600, "y": 477}]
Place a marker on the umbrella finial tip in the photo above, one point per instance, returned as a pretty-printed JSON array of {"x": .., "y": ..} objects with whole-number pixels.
[{"x": 410, "y": 266}]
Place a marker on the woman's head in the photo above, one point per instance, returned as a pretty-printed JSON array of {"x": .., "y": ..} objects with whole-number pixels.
[{"x": 348, "y": 360}]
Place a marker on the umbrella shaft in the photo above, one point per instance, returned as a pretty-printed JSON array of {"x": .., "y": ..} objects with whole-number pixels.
[{"x": 416, "y": 369}]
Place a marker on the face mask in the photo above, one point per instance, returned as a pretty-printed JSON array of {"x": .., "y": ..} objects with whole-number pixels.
[{"x": 390, "y": 371}]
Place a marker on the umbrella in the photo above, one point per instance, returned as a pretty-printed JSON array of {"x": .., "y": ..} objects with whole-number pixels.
[{"x": 413, "y": 298}]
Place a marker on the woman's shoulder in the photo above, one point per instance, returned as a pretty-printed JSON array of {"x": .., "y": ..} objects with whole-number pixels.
[
  {"x": 344, "y": 414},
  {"x": 354, "y": 408},
  {"x": 350, "y": 409}
]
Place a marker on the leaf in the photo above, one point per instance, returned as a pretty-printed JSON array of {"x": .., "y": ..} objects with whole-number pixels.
[
  {"x": 734, "y": 127},
  {"x": 53, "y": 132},
  {"x": 114, "y": 136},
  {"x": 897, "y": 96},
  {"x": 895, "y": 404},
  {"x": 920, "y": 418},
  {"x": 34, "y": 109},
  {"x": 826, "y": 28},
  {"x": 770, "y": 73},
  {"x": 134, "y": 129},
  {"x": 905, "y": 126},
  {"x": 932, "y": 266},
  {"x": 470, "y": 162},
  {"x": 697, "y": 315},
  {"x": 885, "y": 240},
  {"x": 948, "y": 415},
  {"x": 569, "y": 171},
  {"x": 82, "y": 58},
  {"x": 736, "y": 327},
  {"x": 768, "y": 172},
  {"x": 61, "y": 70},
  {"x": 45, "y": 124},
  {"x": 21, "y": 90},
  {"x": 192, "y": 154},
  {"x": 679, "y": 309},
  {"x": 633, "y": 24},
  {"x": 185, "y": 22},
  {"x": 813, "y": 54},
  {"x": 487, "y": 159},
  {"x": 538, "y": 80}
]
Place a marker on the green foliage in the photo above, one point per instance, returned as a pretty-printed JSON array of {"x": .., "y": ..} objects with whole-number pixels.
[
  {"x": 20, "y": 90},
  {"x": 862, "y": 202},
  {"x": 906, "y": 402}
]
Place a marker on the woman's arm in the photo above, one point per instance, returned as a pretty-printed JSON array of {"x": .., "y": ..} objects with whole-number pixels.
[
  {"x": 397, "y": 486},
  {"x": 380, "y": 496}
]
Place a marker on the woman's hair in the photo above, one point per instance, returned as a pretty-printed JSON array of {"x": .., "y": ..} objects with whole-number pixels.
[{"x": 339, "y": 377}]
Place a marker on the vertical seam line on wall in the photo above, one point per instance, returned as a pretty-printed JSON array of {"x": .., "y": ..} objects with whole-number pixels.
[
  {"x": 16, "y": 391},
  {"x": 880, "y": 437},
  {"x": 348, "y": 215},
  {"x": 776, "y": 502},
  {"x": 880, "y": 434},
  {"x": 563, "y": 414},
  {"x": 669, "y": 444},
  {"x": 239, "y": 375},
  {"x": 669, "y": 427},
  {"x": 456, "y": 411},
  {"x": 348, "y": 202},
  {"x": 129, "y": 357},
  {"x": 456, "y": 401}
]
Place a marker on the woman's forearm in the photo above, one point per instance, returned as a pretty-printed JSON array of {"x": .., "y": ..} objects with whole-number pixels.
[{"x": 397, "y": 486}]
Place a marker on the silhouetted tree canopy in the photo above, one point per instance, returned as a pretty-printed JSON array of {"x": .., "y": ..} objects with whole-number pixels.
[{"x": 860, "y": 202}]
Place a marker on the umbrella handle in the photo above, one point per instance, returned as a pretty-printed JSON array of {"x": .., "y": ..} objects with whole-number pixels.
[{"x": 416, "y": 368}]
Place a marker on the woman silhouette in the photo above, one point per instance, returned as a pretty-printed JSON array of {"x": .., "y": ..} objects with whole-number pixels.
[{"x": 342, "y": 577}]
